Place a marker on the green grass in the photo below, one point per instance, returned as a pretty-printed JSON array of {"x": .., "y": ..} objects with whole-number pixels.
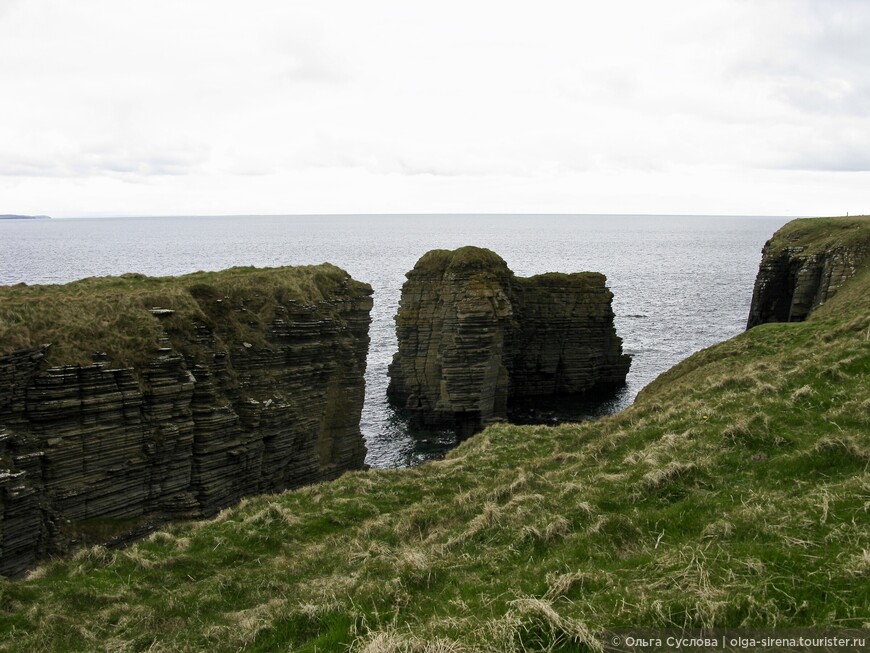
[
  {"x": 734, "y": 492},
  {"x": 113, "y": 314},
  {"x": 559, "y": 279},
  {"x": 823, "y": 234},
  {"x": 469, "y": 257}
]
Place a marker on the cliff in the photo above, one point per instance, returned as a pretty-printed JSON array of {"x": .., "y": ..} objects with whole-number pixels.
[
  {"x": 804, "y": 264},
  {"x": 731, "y": 494},
  {"x": 474, "y": 338},
  {"x": 128, "y": 401}
]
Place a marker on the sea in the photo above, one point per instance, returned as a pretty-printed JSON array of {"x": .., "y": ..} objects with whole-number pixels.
[{"x": 680, "y": 283}]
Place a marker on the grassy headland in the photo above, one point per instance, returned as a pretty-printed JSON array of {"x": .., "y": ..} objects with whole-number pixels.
[
  {"x": 734, "y": 492},
  {"x": 821, "y": 234},
  {"x": 113, "y": 315}
]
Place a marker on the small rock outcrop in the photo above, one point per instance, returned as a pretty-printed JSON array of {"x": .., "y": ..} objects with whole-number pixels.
[
  {"x": 804, "y": 264},
  {"x": 202, "y": 389},
  {"x": 474, "y": 338}
]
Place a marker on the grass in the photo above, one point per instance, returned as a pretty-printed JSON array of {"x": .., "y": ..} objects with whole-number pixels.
[
  {"x": 112, "y": 315},
  {"x": 824, "y": 234},
  {"x": 729, "y": 494},
  {"x": 560, "y": 279},
  {"x": 462, "y": 258}
]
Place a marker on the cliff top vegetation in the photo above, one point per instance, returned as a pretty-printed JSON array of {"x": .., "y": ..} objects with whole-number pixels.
[
  {"x": 820, "y": 234},
  {"x": 734, "y": 492},
  {"x": 548, "y": 279},
  {"x": 479, "y": 258},
  {"x": 115, "y": 315},
  {"x": 468, "y": 257}
]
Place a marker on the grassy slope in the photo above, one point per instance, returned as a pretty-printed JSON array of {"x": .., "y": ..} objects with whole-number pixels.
[{"x": 734, "y": 492}]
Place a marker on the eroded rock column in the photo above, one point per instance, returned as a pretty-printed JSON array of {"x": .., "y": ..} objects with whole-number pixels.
[{"x": 473, "y": 337}]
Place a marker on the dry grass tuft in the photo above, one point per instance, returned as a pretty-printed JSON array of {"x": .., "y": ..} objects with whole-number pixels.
[
  {"x": 718, "y": 530},
  {"x": 537, "y": 619},
  {"x": 559, "y": 585},
  {"x": 747, "y": 426},
  {"x": 847, "y": 444},
  {"x": 804, "y": 392},
  {"x": 273, "y": 513},
  {"x": 245, "y": 625},
  {"x": 859, "y": 565},
  {"x": 667, "y": 475},
  {"x": 39, "y": 572},
  {"x": 88, "y": 556},
  {"x": 487, "y": 518},
  {"x": 392, "y": 641},
  {"x": 555, "y": 527},
  {"x": 744, "y": 380}
]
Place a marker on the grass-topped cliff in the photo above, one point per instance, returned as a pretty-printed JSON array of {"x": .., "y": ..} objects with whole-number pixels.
[
  {"x": 735, "y": 492},
  {"x": 206, "y": 388},
  {"x": 805, "y": 264},
  {"x": 113, "y": 315},
  {"x": 816, "y": 235}
]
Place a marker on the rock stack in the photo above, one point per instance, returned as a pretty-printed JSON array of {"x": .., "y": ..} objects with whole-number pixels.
[
  {"x": 94, "y": 452},
  {"x": 474, "y": 338}
]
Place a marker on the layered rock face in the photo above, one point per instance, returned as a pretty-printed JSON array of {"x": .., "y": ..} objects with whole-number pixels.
[
  {"x": 473, "y": 338},
  {"x": 254, "y": 384},
  {"x": 804, "y": 265}
]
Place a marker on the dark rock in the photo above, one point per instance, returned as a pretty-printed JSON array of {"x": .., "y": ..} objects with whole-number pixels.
[
  {"x": 473, "y": 338},
  {"x": 185, "y": 434},
  {"x": 804, "y": 265}
]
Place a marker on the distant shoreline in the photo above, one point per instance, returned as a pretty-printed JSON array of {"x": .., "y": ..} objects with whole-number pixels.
[{"x": 10, "y": 216}]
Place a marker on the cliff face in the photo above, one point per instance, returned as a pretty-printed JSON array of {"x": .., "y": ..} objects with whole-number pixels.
[
  {"x": 804, "y": 265},
  {"x": 253, "y": 384},
  {"x": 473, "y": 338}
]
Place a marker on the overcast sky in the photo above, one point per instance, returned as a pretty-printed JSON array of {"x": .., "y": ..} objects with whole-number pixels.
[{"x": 152, "y": 107}]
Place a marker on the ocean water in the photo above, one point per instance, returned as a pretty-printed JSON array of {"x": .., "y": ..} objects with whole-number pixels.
[{"x": 680, "y": 283}]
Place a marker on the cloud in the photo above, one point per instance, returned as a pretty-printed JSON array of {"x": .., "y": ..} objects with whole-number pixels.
[
  {"x": 128, "y": 163},
  {"x": 830, "y": 157},
  {"x": 813, "y": 60},
  {"x": 7, "y": 5},
  {"x": 304, "y": 60},
  {"x": 491, "y": 99}
]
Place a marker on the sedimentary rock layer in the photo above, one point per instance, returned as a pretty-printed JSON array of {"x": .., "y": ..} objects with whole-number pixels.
[
  {"x": 804, "y": 264},
  {"x": 205, "y": 388},
  {"x": 473, "y": 338}
]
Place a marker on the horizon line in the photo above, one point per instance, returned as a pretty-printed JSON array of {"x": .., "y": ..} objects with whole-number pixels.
[{"x": 435, "y": 214}]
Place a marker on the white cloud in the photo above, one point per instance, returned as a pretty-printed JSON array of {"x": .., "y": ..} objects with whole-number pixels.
[{"x": 202, "y": 107}]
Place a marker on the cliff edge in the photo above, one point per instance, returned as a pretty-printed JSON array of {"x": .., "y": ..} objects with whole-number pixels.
[
  {"x": 804, "y": 264},
  {"x": 731, "y": 494},
  {"x": 127, "y": 401},
  {"x": 473, "y": 338}
]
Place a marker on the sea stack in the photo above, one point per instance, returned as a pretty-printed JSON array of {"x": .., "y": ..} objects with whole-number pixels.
[
  {"x": 474, "y": 338},
  {"x": 129, "y": 401}
]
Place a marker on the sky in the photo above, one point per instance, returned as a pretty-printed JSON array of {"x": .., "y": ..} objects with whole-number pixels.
[{"x": 211, "y": 107}]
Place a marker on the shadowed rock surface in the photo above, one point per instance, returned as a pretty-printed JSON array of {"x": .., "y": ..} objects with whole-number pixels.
[
  {"x": 804, "y": 264},
  {"x": 206, "y": 388},
  {"x": 473, "y": 338}
]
